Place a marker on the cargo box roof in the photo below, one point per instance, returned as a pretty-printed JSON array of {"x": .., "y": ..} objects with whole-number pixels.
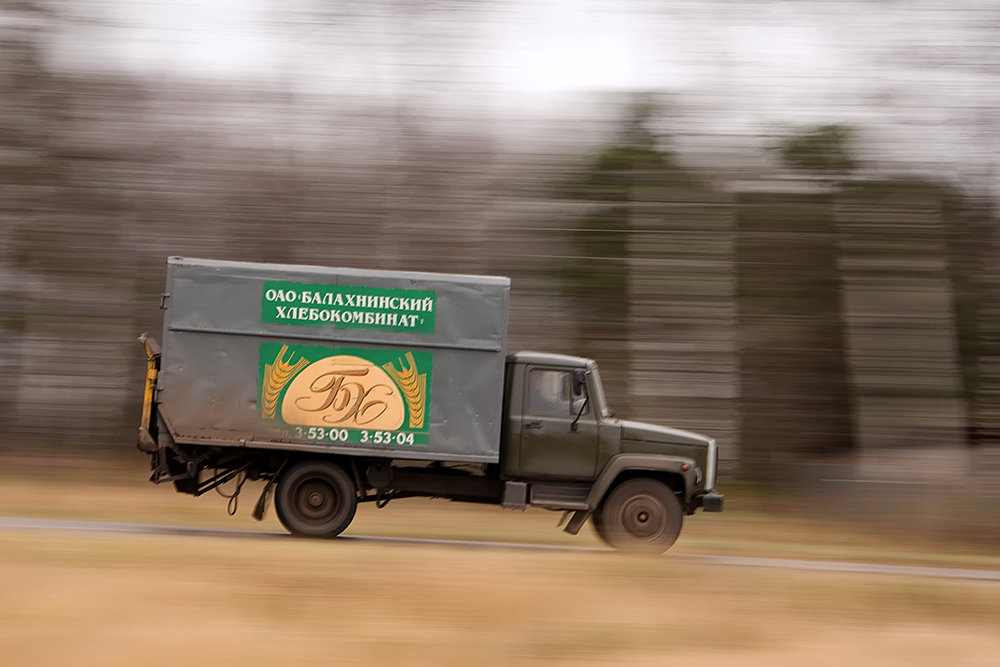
[
  {"x": 547, "y": 358},
  {"x": 339, "y": 271}
]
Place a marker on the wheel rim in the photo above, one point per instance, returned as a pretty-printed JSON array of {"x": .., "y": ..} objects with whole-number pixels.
[
  {"x": 643, "y": 517},
  {"x": 315, "y": 501}
]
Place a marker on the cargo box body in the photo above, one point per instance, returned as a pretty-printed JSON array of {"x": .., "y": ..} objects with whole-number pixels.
[{"x": 391, "y": 364}]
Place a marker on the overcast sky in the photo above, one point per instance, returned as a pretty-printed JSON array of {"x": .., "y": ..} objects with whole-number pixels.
[{"x": 920, "y": 74}]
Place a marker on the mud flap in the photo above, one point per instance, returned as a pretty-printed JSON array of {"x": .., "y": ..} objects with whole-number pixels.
[{"x": 576, "y": 522}]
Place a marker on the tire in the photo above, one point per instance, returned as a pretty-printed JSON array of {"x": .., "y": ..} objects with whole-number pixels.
[
  {"x": 595, "y": 520},
  {"x": 315, "y": 499},
  {"x": 640, "y": 515}
]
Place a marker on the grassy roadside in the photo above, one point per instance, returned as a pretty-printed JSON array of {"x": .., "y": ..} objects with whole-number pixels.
[
  {"x": 94, "y": 599},
  {"x": 154, "y": 599}
]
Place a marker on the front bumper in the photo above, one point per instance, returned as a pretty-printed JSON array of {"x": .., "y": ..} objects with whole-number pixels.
[{"x": 708, "y": 502}]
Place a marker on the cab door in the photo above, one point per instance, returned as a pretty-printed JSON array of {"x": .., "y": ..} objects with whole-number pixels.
[{"x": 550, "y": 448}]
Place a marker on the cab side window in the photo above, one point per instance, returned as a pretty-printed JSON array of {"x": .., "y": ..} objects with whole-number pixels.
[{"x": 549, "y": 393}]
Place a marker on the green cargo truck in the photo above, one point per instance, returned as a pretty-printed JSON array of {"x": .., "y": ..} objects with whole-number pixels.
[{"x": 338, "y": 386}]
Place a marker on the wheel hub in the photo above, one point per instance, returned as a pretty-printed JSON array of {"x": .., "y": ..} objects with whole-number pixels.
[
  {"x": 642, "y": 519},
  {"x": 315, "y": 500}
]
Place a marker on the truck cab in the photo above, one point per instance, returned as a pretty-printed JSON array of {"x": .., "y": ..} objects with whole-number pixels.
[{"x": 563, "y": 448}]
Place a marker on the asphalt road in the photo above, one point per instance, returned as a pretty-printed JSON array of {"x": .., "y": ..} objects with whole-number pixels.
[{"x": 62, "y": 525}]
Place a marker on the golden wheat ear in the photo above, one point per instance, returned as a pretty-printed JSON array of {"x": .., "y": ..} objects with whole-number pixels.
[
  {"x": 276, "y": 376},
  {"x": 414, "y": 388}
]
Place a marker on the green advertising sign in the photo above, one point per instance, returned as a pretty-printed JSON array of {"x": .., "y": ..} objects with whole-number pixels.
[
  {"x": 346, "y": 395},
  {"x": 388, "y": 309}
]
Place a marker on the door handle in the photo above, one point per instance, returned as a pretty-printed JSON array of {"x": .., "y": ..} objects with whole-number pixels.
[{"x": 533, "y": 425}]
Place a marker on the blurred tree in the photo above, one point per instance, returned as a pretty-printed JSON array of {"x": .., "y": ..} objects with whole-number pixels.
[
  {"x": 973, "y": 228},
  {"x": 619, "y": 263},
  {"x": 66, "y": 271},
  {"x": 25, "y": 166},
  {"x": 936, "y": 245},
  {"x": 823, "y": 150},
  {"x": 901, "y": 298},
  {"x": 796, "y": 388},
  {"x": 595, "y": 272},
  {"x": 795, "y": 385}
]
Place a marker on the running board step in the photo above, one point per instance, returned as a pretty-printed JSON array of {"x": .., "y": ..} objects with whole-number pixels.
[{"x": 562, "y": 496}]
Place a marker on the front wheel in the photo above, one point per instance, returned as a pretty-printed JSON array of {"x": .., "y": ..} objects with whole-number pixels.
[
  {"x": 315, "y": 499},
  {"x": 596, "y": 522},
  {"x": 641, "y": 515}
]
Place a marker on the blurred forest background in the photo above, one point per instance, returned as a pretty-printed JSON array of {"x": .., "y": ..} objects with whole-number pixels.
[{"x": 821, "y": 285}]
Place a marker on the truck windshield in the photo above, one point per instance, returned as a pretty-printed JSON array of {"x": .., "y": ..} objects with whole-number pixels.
[{"x": 599, "y": 401}]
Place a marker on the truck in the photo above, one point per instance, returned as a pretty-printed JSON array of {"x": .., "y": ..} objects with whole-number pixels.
[{"x": 339, "y": 386}]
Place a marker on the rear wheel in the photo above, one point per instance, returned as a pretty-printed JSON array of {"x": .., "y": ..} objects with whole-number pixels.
[
  {"x": 315, "y": 499},
  {"x": 641, "y": 515}
]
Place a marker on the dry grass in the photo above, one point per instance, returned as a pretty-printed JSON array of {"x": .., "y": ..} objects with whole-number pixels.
[
  {"x": 89, "y": 599},
  {"x": 151, "y": 599}
]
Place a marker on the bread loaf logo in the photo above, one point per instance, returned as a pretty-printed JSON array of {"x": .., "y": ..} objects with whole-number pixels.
[{"x": 345, "y": 388}]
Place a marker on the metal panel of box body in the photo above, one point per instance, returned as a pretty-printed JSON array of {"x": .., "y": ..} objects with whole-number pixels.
[{"x": 398, "y": 364}]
